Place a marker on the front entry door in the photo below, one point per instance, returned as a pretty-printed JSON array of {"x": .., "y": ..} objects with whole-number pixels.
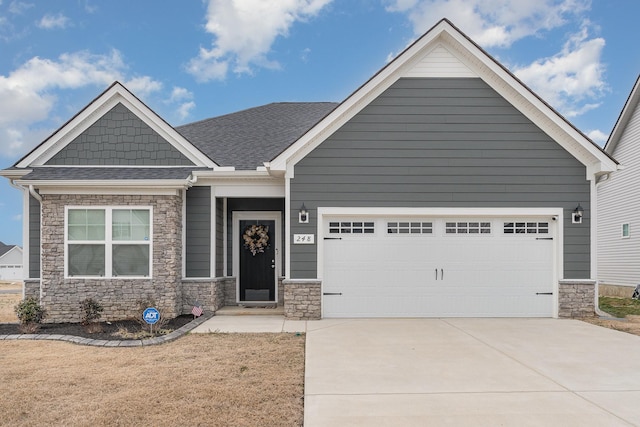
[{"x": 257, "y": 260}]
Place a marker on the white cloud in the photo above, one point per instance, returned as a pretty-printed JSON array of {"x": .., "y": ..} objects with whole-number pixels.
[
  {"x": 143, "y": 86},
  {"x": 572, "y": 78},
  {"x": 244, "y": 32},
  {"x": 29, "y": 94},
  {"x": 491, "y": 23},
  {"x": 184, "y": 100},
  {"x": 50, "y": 22},
  {"x": 598, "y": 136},
  {"x": 184, "y": 109},
  {"x": 17, "y": 217},
  {"x": 179, "y": 94},
  {"x": 19, "y": 7}
]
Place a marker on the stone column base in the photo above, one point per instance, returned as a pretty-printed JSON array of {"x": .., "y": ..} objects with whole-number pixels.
[
  {"x": 576, "y": 298},
  {"x": 302, "y": 299}
]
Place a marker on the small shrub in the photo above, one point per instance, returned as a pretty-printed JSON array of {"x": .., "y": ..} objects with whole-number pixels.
[
  {"x": 31, "y": 314},
  {"x": 92, "y": 311}
]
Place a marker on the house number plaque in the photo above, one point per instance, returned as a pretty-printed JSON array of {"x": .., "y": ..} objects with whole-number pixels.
[{"x": 304, "y": 239}]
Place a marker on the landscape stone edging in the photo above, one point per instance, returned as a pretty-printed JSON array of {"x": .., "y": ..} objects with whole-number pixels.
[{"x": 114, "y": 343}]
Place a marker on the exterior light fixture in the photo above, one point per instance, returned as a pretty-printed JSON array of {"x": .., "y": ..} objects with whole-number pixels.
[
  {"x": 576, "y": 216},
  {"x": 303, "y": 215}
]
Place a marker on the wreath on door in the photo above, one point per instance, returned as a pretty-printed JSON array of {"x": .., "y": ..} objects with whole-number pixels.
[{"x": 256, "y": 238}]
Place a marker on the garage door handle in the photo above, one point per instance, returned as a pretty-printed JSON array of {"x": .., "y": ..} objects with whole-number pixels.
[
  {"x": 544, "y": 238},
  {"x": 333, "y": 238},
  {"x": 544, "y": 293},
  {"x": 441, "y": 274},
  {"x": 332, "y": 293},
  {"x": 436, "y": 274}
]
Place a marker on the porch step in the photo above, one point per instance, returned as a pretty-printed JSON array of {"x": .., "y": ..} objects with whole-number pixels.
[{"x": 250, "y": 311}]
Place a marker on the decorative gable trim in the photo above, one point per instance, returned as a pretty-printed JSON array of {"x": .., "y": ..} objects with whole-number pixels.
[
  {"x": 448, "y": 43},
  {"x": 115, "y": 94},
  {"x": 633, "y": 102}
]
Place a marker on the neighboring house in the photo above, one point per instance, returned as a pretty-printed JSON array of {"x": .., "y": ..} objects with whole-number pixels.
[
  {"x": 619, "y": 205},
  {"x": 10, "y": 262},
  {"x": 441, "y": 187}
]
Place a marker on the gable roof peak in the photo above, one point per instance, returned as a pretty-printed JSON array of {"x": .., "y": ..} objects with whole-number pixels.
[
  {"x": 115, "y": 94},
  {"x": 633, "y": 100},
  {"x": 478, "y": 62}
]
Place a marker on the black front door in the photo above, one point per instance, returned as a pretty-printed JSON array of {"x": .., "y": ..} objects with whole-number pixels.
[{"x": 257, "y": 260}]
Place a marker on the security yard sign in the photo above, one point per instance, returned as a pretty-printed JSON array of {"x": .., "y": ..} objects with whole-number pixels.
[{"x": 151, "y": 315}]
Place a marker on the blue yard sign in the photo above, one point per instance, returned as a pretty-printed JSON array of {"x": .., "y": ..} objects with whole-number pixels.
[{"x": 151, "y": 315}]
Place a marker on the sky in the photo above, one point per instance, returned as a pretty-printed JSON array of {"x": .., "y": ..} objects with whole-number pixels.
[{"x": 191, "y": 60}]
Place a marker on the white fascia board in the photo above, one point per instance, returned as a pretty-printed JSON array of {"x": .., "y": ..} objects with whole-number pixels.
[
  {"x": 109, "y": 99},
  {"x": 111, "y": 191},
  {"x": 14, "y": 173}
]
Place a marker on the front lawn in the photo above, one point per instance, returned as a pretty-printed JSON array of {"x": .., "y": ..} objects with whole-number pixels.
[
  {"x": 619, "y": 307},
  {"x": 198, "y": 380}
]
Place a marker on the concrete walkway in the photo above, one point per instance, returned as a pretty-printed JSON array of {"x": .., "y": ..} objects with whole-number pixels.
[
  {"x": 461, "y": 372},
  {"x": 237, "y": 319}
]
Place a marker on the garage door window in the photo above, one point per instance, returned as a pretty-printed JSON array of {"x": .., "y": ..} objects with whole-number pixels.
[
  {"x": 468, "y": 227},
  {"x": 351, "y": 227},
  {"x": 526, "y": 228},
  {"x": 409, "y": 228}
]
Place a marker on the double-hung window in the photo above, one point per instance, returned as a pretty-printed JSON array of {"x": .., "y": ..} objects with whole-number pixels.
[{"x": 108, "y": 242}]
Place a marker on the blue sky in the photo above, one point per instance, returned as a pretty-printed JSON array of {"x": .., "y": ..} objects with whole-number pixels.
[{"x": 191, "y": 60}]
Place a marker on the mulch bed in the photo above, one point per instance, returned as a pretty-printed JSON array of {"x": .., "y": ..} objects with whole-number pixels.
[{"x": 117, "y": 330}]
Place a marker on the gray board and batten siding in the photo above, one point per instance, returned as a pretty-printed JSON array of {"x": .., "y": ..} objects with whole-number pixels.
[
  {"x": 120, "y": 138},
  {"x": 441, "y": 142},
  {"x": 198, "y": 232}
]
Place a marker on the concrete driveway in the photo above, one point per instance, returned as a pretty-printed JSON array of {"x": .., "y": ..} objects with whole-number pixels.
[{"x": 461, "y": 372}]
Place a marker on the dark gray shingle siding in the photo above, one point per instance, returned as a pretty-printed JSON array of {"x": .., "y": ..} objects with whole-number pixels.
[{"x": 119, "y": 138}]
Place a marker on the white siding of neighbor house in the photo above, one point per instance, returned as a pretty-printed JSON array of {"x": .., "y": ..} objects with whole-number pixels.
[
  {"x": 11, "y": 265},
  {"x": 619, "y": 203}
]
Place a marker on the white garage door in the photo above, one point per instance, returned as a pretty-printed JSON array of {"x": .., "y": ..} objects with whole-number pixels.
[{"x": 438, "y": 267}]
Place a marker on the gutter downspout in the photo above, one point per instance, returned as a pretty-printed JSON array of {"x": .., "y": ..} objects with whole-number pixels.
[
  {"x": 35, "y": 195},
  {"x": 599, "y": 180}
]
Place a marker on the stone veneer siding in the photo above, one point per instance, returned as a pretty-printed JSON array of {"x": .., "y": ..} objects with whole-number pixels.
[
  {"x": 31, "y": 288},
  {"x": 576, "y": 298},
  {"x": 210, "y": 293},
  {"x": 302, "y": 299},
  {"x": 61, "y": 297}
]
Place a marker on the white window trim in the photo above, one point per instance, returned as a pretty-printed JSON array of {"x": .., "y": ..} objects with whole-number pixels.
[
  {"x": 622, "y": 235},
  {"x": 108, "y": 241}
]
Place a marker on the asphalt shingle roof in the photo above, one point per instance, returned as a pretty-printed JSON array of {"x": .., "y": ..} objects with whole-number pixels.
[
  {"x": 5, "y": 248},
  {"x": 65, "y": 173},
  {"x": 249, "y": 138}
]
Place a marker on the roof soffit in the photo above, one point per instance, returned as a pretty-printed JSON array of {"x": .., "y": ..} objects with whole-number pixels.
[{"x": 94, "y": 111}]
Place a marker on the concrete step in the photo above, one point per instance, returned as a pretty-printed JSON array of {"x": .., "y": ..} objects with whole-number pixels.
[{"x": 250, "y": 311}]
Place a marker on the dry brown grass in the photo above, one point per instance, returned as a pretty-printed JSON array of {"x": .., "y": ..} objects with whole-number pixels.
[
  {"x": 7, "y": 302},
  {"x": 198, "y": 380},
  {"x": 631, "y": 324}
]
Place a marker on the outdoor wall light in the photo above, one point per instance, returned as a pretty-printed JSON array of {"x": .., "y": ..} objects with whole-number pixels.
[
  {"x": 303, "y": 215},
  {"x": 576, "y": 216}
]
